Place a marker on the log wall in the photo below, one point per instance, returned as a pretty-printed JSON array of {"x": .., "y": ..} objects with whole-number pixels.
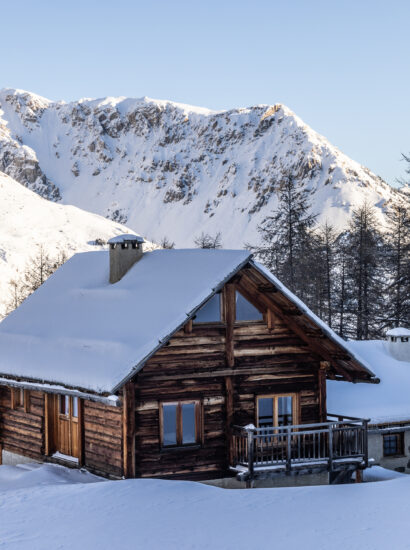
[
  {"x": 194, "y": 365},
  {"x": 22, "y": 431},
  {"x": 102, "y": 432}
]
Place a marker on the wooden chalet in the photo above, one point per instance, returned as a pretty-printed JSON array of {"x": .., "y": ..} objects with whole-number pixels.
[{"x": 189, "y": 364}]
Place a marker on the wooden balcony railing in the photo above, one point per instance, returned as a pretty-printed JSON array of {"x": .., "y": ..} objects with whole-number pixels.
[{"x": 338, "y": 443}]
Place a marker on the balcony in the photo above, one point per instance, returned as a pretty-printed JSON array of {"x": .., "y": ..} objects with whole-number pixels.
[{"x": 338, "y": 446}]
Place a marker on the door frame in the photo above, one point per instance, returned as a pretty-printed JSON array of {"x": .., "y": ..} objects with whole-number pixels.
[{"x": 51, "y": 419}]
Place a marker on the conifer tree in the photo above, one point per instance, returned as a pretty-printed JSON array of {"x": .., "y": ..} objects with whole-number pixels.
[
  {"x": 398, "y": 267},
  {"x": 287, "y": 238},
  {"x": 364, "y": 276}
]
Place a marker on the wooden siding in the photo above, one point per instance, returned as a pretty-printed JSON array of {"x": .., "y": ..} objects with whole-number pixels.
[
  {"x": 102, "y": 432},
  {"x": 22, "y": 432},
  {"x": 195, "y": 365}
]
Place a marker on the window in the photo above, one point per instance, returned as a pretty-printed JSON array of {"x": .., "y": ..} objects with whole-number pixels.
[
  {"x": 276, "y": 410},
  {"x": 210, "y": 312},
  {"x": 64, "y": 405},
  {"x": 245, "y": 311},
  {"x": 19, "y": 399},
  {"x": 404, "y": 338},
  {"x": 180, "y": 423},
  {"x": 393, "y": 444}
]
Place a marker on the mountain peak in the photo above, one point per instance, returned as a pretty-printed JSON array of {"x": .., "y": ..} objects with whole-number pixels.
[{"x": 168, "y": 168}]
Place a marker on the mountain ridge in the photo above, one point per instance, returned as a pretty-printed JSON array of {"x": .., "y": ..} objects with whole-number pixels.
[{"x": 174, "y": 170}]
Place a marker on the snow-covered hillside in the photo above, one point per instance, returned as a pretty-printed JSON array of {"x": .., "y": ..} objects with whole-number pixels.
[
  {"x": 28, "y": 221},
  {"x": 174, "y": 170}
]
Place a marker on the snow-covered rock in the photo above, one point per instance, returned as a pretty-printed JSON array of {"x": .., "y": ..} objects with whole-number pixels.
[
  {"x": 27, "y": 221},
  {"x": 174, "y": 170}
]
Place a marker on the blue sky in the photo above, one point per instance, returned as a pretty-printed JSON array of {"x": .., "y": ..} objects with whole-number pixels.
[{"x": 342, "y": 66}]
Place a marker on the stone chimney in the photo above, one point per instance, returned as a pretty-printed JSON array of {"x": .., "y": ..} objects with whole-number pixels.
[
  {"x": 398, "y": 343},
  {"x": 125, "y": 250}
]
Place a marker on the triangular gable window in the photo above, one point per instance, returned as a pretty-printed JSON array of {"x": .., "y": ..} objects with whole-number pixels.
[
  {"x": 245, "y": 311},
  {"x": 210, "y": 312}
]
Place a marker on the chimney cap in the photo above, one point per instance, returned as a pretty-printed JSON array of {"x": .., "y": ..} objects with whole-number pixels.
[
  {"x": 126, "y": 238},
  {"x": 398, "y": 331}
]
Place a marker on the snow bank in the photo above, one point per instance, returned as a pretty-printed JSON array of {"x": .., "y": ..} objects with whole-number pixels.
[
  {"x": 78, "y": 330},
  {"x": 385, "y": 402},
  {"x": 176, "y": 515}
]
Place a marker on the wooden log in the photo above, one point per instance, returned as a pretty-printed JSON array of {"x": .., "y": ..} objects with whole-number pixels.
[
  {"x": 128, "y": 430},
  {"x": 230, "y": 307},
  {"x": 323, "y": 368},
  {"x": 229, "y": 418}
]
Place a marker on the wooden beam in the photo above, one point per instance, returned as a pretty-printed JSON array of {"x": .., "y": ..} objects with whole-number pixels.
[
  {"x": 230, "y": 306},
  {"x": 188, "y": 327},
  {"x": 49, "y": 421},
  {"x": 80, "y": 432},
  {"x": 229, "y": 418},
  {"x": 323, "y": 367},
  {"x": 128, "y": 430},
  {"x": 270, "y": 320},
  {"x": 26, "y": 401}
]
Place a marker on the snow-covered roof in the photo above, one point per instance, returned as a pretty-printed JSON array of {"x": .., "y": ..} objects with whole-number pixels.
[
  {"x": 398, "y": 331},
  {"x": 80, "y": 331},
  {"x": 388, "y": 401}
]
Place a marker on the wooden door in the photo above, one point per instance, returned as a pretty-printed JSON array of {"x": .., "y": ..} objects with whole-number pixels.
[{"x": 67, "y": 425}]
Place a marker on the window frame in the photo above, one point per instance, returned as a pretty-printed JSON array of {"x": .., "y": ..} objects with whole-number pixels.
[
  {"x": 221, "y": 321},
  {"x": 247, "y": 321},
  {"x": 275, "y": 396},
  {"x": 20, "y": 399},
  {"x": 179, "y": 427},
  {"x": 400, "y": 444}
]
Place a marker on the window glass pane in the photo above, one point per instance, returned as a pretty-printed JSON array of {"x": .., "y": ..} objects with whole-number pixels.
[
  {"x": 285, "y": 411},
  {"x": 245, "y": 311},
  {"x": 64, "y": 401},
  {"x": 21, "y": 398},
  {"x": 75, "y": 407},
  {"x": 265, "y": 412},
  {"x": 210, "y": 312},
  {"x": 169, "y": 425},
  {"x": 392, "y": 444},
  {"x": 188, "y": 423}
]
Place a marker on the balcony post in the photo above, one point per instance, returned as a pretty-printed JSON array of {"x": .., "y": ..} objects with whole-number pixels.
[
  {"x": 330, "y": 443},
  {"x": 250, "y": 431},
  {"x": 365, "y": 443},
  {"x": 288, "y": 451}
]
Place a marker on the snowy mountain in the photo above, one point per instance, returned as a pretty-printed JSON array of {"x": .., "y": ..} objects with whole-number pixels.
[
  {"x": 175, "y": 170},
  {"x": 27, "y": 221}
]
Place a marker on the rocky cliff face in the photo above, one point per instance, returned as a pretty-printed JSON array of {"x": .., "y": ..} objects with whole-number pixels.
[{"x": 173, "y": 170}]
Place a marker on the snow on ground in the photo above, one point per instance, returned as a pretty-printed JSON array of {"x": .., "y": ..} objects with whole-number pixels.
[{"x": 167, "y": 515}]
